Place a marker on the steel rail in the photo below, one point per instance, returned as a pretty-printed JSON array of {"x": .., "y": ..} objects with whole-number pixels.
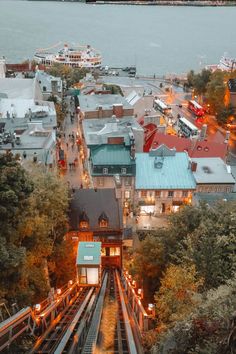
[
  {"x": 73, "y": 324},
  {"x": 92, "y": 336},
  {"x": 50, "y": 339},
  {"x": 128, "y": 329}
]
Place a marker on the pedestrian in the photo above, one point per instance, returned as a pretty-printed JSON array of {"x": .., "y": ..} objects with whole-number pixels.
[
  {"x": 67, "y": 145},
  {"x": 64, "y": 135},
  {"x": 69, "y": 136},
  {"x": 81, "y": 186}
]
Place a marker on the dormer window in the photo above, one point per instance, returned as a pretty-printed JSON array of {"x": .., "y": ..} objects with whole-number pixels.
[
  {"x": 83, "y": 221},
  {"x": 103, "y": 220},
  {"x": 83, "y": 224}
]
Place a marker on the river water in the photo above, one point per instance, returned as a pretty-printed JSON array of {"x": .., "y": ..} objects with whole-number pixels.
[{"x": 157, "y": 39}]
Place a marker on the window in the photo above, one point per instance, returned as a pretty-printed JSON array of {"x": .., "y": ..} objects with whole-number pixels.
[
  {"x": 105, "y": 171},
  {"x": 170, "y": 194},
  {"x": 44, "y": 88},
  {"x": 83, "y": 224},
  {"x": 185, "y": 194},
  {"x": 103, "y": 252},
  {"x": 127, "y": 194},
  {"x": 157, "y": 194},
  {"x": 127, "y": 181},
  {"x": 103, "y": 223},
  {"x": 114, "y": 251},
  {"x": 143, "y": 194},
  {"x": 123, "y": 171}
]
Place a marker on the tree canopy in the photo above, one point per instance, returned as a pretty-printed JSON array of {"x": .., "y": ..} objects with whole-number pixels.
[{"x": 33, "y": 210}]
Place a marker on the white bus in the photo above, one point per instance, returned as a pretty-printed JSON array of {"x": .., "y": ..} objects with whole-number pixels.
[
  {"x": 187, "y": 128},
  {"x": 161, "y": 106}
]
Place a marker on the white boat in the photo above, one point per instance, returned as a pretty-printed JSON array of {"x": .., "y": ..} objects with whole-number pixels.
[
  {"x": 78, "y": 57},
  {"x": 226, "y": 64}
]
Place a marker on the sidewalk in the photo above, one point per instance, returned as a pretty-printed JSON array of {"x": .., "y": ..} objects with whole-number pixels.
[{"x": 73, "y": 175}]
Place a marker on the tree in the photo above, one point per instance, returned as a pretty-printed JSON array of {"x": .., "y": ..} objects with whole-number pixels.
[
  {"x": 148, "y": 264},
  {"x": 176, "y": 297},
  {"x": 215, "y": 92},
  {"x": 15, "y": 190},
  {"x": 210, "y": 328}
]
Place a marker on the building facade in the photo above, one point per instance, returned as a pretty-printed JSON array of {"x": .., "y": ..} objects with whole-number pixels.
[
  {"x": 95, "y": 215},
  {"x": 164, "y": 181}
]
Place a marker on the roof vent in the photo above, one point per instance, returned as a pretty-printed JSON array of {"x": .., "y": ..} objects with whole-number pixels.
[
  {"x": 206, "y": 169},
  {"x": 158, "y": 163}
]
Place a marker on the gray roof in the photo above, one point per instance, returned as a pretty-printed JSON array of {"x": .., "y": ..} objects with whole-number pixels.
[
  {"x": 97, "y": 131},
  {"x": 212, "y": 170},
  {"x": 93, "y": 204},
  {"x": 18, "y": 88},
  {"x": 92, "y": 102},
  {"x": 45, "y": 80},
  {"x": 212, "y": 198}
]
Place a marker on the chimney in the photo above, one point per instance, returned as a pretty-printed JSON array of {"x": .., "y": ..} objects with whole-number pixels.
[
  {"x": 193, "y": 166},
  {"x": 118, "y": 110},
  {"x": 100, "y": 112},
  {"x": 132, "y": 152},
  {"x": 203, "y": 132},
  {"x": 227, "y": 135}
]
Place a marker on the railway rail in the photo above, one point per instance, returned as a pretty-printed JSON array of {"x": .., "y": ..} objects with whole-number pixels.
[
  {"x": 55, "y": 334},
  {"x": 110, "y": 330}
]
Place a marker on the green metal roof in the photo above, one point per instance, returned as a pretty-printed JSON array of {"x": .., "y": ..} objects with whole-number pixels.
[
  {"x": 89, "y": 253},
  {"x": 170, "y": 172},
  {"x": 111, "y": 155}
]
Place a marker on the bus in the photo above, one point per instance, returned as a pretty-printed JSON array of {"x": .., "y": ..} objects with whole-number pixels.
[
  {"x": 161, "y": 106},
  {"x": 188, "y": 129},
  {"x": 196, "y": 108}
]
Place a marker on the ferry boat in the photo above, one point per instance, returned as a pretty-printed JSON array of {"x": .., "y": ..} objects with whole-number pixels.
[
  {"x": 226, "y": 64},
  {"x": 78, "y": 57}
]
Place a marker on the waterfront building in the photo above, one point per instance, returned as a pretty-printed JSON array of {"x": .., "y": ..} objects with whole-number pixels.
[
  {"x": 164, "y": 181},
  {"x": 27, "y": 123},
  {"x": 50, "y": 85},
  {"x": 95, "y": 215},
  {"x": 16, "y": 88},
  {"x": 103, "y": 106},
  {"x": 212, "y": 175}
]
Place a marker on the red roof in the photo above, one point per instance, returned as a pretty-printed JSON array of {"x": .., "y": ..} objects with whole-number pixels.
[{"x": 204, "y": 148}]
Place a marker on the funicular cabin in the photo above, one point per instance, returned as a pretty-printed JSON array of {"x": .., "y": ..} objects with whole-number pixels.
[
  {"x": 95, "y": 216},
  {"x": 88, "y": 263}
]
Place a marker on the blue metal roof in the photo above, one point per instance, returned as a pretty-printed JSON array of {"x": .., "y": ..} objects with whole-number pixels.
[
  {"x": 171, "y": 172},
  {"x": 89, "y": 253}
]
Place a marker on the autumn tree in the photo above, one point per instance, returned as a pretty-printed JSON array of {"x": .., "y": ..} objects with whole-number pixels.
[
  {"x": 177, "y": 295},
  {"x": 15, "y": 190}
]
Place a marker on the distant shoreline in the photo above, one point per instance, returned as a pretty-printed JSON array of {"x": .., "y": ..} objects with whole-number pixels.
[
  {"x": 194, "y": 3},
  {"x": 163, "y": 2}
]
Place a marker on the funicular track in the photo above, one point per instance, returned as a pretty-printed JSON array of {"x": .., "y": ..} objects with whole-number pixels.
[
  {"x": 110, "y": 330},
  {"x": 69, "y": 317}
]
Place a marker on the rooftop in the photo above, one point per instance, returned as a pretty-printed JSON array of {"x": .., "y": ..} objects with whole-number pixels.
[
  {"x": 92, "y": 102},
  {"x": 45, "y": 80},
  {"x": 19, "y": 88},
  {"x": 89, "y": 253},
  {"x": 162, "y": 170},
  {"x": 212, "y": 170},
  {"x": 97, "y": 131},
  {"x": 111, "y": 155},
  {"x": 203, "y": 148},
  {"x": 94, "y": 203}
]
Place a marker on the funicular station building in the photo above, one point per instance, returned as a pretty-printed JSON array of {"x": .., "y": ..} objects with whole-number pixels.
[{"x": 95, "y": 216}]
